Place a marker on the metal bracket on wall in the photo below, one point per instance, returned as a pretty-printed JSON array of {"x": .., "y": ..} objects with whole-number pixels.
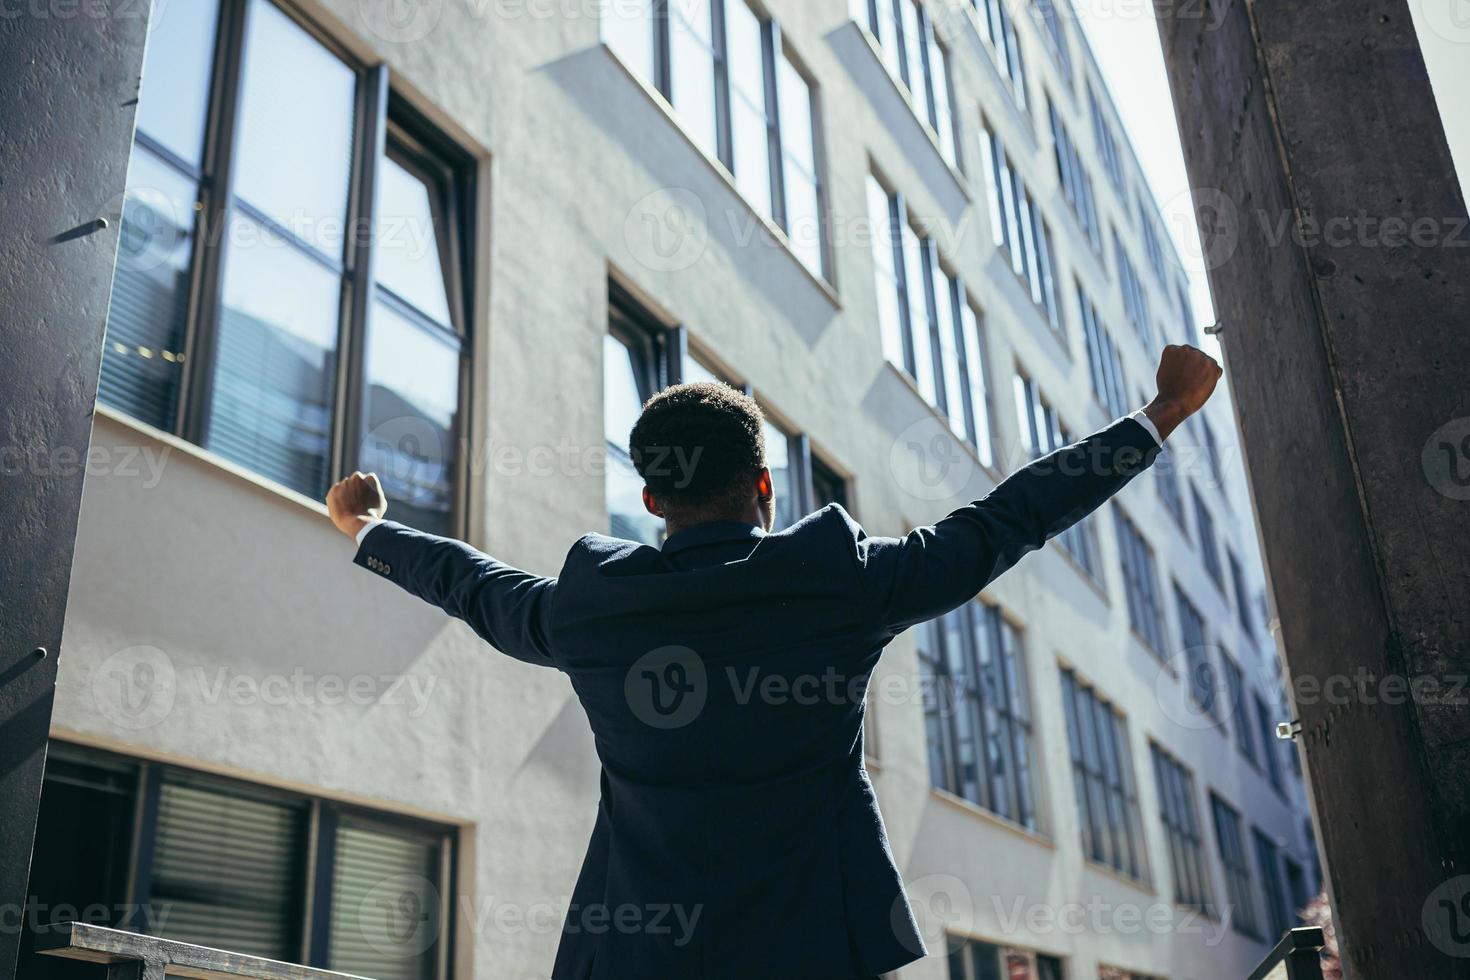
[{"x": 1287, "y": 731}]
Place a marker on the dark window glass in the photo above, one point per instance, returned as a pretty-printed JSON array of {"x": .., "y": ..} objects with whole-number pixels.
[
  {"x": 977, "y": 708},
  {"x": 1182, "y": 827},
  {"x": 1140, "y": 582},
  {"x": 1268, "y": 859},
  {"x": 631, "y": 375},
  {"x": 1237, "y": 868},
  {"x": 1209, "y": 545},
  {"x": 1201, "y": 680},
  {"x": 386, "y": 908},
  {"x": 229, "y": 868},
  {"x": 1102, "y": 765}
]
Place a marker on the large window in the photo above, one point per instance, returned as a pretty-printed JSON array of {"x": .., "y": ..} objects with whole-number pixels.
[
  {"x": 1042, "y": 432},
  {"x": 1201, "y": 680},
  {"x": 741, "y": 99},
  {"x": 1135, "y": 300},
  {"x": 1018, "y": 227},
  {"x": 1056, "y": 29},
  {"x": 235, "y": 866},
  {"x": 1242, "y": 596},
  {"x": 928, "y": 327},
  {"x": 1076, "y": 181},
  {"x": 1104, "y": 364},
  {"x": 1103, "y": 780},
  {"x": 1182, "y": 827},
  {"x": 1107, "y": 143},
  {"x": 1140, "y": 583},
  {"x": 1268, "y": 859},
  {"x": 1231, "y": 842},
  {"x": 999, "y": 31},
  {"x": 1240, "y": 705},
  {"x": 287, "y": 294},
  {"x": 1209, "y": 546},
  {"x": 1270, "y": 744},
  {"x": 917, "y": 60},
  {"x": 977, "y": 711},
  {"x": 974, "y": 959},
  {"x": 641, "y": 356}
]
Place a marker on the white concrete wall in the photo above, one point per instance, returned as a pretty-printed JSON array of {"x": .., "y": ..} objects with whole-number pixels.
[{"x": 223, "y": 573}]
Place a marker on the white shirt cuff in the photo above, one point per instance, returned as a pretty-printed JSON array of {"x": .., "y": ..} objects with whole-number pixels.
[
  {"x": 1141, "y": 417},
  {"x": 372, "y": 524}
]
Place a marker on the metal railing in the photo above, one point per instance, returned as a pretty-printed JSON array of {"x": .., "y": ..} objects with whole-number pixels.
[
  {"x": 1297, "y": 957},
  {"x": 131, "y": 956}
]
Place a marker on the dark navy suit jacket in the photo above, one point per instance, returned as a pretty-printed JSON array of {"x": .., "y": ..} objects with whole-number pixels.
[{"x": 723, "y": 675}]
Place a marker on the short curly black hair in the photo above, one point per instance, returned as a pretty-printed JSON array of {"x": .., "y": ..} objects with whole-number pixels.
[{"x": 695, "y": 444}]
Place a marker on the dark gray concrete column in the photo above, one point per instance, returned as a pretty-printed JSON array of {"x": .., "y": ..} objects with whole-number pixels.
[
  {"x": 1340, "y": 266},
  {"x": 68, "y": 83}
]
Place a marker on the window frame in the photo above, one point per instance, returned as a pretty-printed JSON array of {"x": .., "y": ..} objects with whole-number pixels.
[
  {"x": 1141, "y": 583},
  {"x": 1104, "y": 780},
  {"x": 382, "y": 118},
  {"x": 1180, "y": 818},
  {"x": 1230, "y": 842},
  {"x": 321, "y": 816}
]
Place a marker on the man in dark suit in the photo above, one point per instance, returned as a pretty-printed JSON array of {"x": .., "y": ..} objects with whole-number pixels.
[{"x": 724, "y": 677}]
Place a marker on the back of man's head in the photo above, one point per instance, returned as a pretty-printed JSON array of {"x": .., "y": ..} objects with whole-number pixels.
[{"x": 700, "y": 448}]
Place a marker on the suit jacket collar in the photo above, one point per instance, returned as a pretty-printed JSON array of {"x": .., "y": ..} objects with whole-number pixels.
[{"x": 712, "y": 532}]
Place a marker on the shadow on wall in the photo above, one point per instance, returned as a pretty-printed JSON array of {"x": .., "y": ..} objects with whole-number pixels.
[{"x": 690, "y": 210}]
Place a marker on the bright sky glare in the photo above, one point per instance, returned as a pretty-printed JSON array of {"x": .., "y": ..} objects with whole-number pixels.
[{"x": 1126, "y": 41}]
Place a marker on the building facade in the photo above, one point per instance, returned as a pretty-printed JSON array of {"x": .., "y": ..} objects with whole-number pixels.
[{"x": 458, "y": 243}]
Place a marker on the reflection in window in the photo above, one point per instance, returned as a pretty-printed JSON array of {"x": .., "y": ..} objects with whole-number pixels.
[
  {"x": 631, "y": 375},
  {"x": 1103, "y": 780},
  {"x": 412, "y": 370},
  {"x": 261, "y": 383},
  {"x": 386, "y": 910},
  {"x": 740, "y": 99},
  {"x": 779, "y": 461}
]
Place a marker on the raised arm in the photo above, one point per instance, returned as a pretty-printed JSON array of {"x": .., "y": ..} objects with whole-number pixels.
[
  {"x": 507, "y": 607},
  {"x": 932, "y": 570}
]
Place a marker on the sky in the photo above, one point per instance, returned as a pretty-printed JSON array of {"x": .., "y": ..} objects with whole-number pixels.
[{"x": 1125, "y": 39}]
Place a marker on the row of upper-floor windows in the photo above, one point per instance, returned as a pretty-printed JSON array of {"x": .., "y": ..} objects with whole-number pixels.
[
  {"x": 295, "y": 278},
  {"x": 981, "y": 744}
]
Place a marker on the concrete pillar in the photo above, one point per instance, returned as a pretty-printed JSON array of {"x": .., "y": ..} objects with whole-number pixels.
[
  {"x": 1339, "y": 255},
  {"x": 68, "y": 86}
]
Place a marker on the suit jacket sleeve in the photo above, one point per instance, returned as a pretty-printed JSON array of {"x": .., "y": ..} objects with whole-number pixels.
[
  {"x": 932, "y": 570},
  {"x": 507, "y": 607}
]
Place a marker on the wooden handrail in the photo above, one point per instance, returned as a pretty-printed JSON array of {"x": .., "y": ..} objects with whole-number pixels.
[
  {"x": 133, "y": 955},
  {"x": 1301, "y": 951}
]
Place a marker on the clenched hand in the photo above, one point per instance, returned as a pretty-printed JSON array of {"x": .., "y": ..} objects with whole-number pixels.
[
  {"x": 1187, "y": 378},
  {"x": 355, "y": 502}
]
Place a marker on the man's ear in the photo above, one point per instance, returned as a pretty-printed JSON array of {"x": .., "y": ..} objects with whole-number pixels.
[
  {"x": 765, "y": 487},
  {"x": 650, "y": 503}
]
